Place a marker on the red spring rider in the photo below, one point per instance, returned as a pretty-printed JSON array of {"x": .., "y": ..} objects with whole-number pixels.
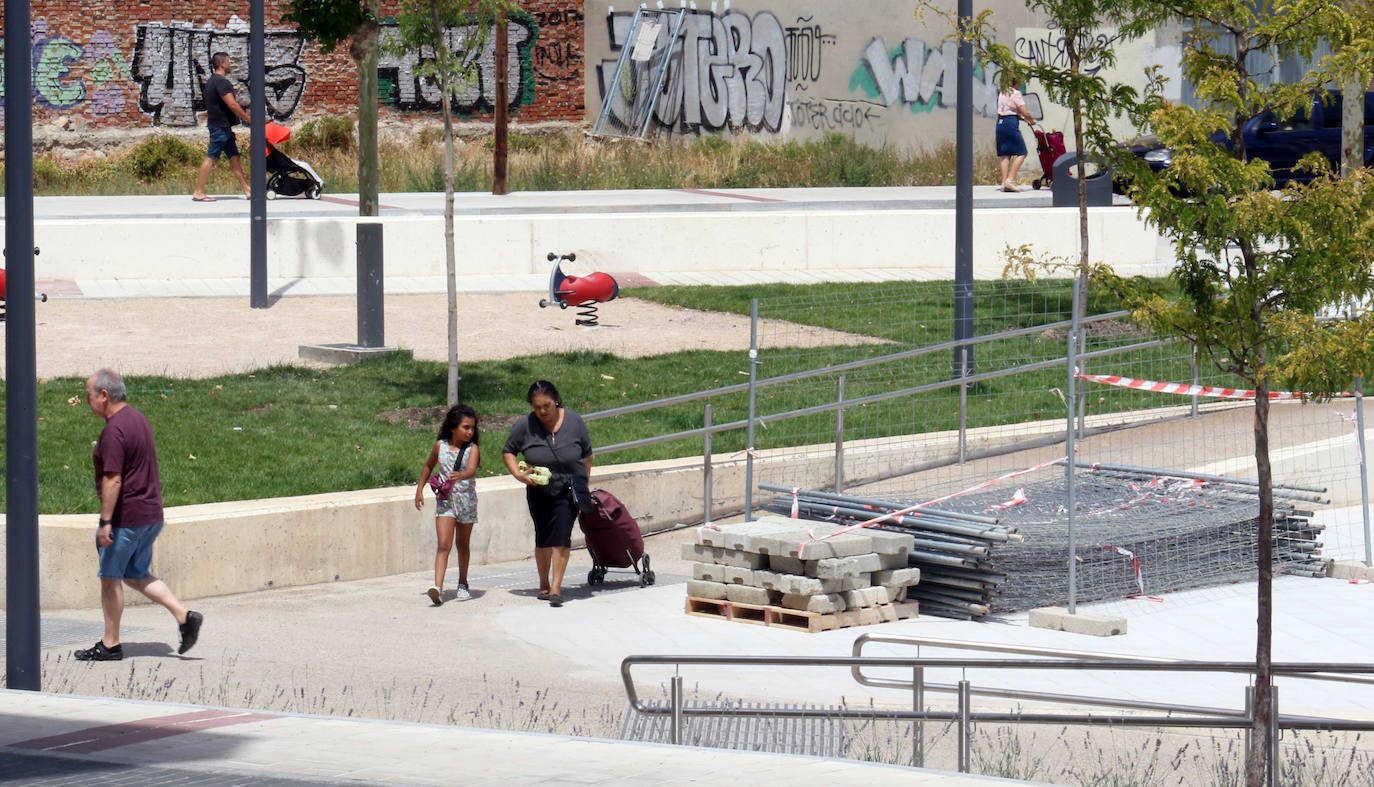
[{"x": 584, "y": 292}]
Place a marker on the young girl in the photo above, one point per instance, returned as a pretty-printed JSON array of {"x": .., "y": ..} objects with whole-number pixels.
[{"x": 456, "y": 456}]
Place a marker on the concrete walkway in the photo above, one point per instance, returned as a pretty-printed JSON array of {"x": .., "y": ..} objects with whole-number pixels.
[{"x": 59, "y": 739}]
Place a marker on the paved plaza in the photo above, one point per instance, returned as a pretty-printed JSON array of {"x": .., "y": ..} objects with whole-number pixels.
[{"x": 364, "y": 682}]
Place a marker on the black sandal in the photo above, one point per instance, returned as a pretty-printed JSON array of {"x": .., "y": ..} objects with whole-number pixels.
[
  {"x": 98, "y": 652},
  {"x": 543, "y": 595}
]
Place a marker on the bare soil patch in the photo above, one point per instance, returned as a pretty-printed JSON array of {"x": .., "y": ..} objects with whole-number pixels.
[{"x": 207, "y": 337}]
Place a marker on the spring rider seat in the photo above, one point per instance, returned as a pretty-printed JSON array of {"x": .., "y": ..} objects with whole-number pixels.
[{"x": 581, "y": 292}]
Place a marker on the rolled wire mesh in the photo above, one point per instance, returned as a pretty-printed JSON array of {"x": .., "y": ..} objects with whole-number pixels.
[{"x": 908, "y": 449}]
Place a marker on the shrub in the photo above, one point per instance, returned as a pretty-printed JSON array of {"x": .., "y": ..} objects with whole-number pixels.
[
  {"x": 154, "y": 156},
  {"x": 46, "y": 173},
  {"x": 325, "y": 133}
]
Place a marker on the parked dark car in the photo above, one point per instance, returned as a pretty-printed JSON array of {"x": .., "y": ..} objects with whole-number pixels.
[{"x": 1283, "y": 142}]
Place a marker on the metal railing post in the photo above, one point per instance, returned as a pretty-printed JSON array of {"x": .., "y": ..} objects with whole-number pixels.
[
  {"x": 963, "y": 416},
  {"x": 839, "y": 438},
  {"x": 1249, "y": 714},
  {"x": 963, "y": 726},
  {"x": 1274, "y": 765},
  {"x": 753, "y": 405},
  {"x": 918, "y": 704},
  {"x": 675, "y": 703},
  {"x": 1196, "y": 380},
  {"x": 1364, "y": 468},
  {"x": 706, "y": 466}
]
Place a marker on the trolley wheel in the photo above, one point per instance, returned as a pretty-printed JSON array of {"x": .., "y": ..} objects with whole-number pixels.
[
  {"x": 591, "y": 577},
  {"x": 314, "y": 192},
  {"x": 649, "y": 577},
  {"x": 270, "y": 194},
  {"x": 562, "y": 304},
  {"x": 543, "y": 303},
  {"x": 1035, "y": 184}
]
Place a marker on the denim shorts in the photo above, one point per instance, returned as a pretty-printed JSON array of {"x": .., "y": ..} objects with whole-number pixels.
[
  {"x": 222, "y": 140},
  {"x": 131, "y": 554}
]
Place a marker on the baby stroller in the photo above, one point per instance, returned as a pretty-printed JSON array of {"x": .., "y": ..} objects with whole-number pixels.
[
  {"x": 613, "y": 539},
  {"x": 286, "y": 176},
  {"x": 1049, "y": 146}
]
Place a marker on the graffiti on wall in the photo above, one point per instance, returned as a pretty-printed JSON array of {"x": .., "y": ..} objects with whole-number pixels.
[
  {"x": 806, "y": 43},
  {"x": 405, "y": 89},
  {"x": 919, "y": 77},
  {"x": 558, "y": 57},
  {"x": 67, "y": 74},
  {"x": 172, "y": 62},
  {"x": 729, "y": 71},
  {"x": 1047, "y": 47}
]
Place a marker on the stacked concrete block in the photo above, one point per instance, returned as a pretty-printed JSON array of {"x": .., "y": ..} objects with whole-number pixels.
[{"x": 799, "y": 565}]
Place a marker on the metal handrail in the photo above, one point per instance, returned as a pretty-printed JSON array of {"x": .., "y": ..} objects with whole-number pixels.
[
  {"x": 843, "y": 367},
  {"x": 857, "y": 401},
  {"x": 1029, "y": 650},
  {"x": 965, "y": 716}
]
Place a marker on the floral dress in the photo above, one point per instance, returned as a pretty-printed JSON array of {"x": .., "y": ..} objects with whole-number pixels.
[{"x": 461, "y": 503}]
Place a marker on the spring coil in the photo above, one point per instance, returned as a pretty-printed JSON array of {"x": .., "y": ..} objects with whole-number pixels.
[{"x": 586, "y": 314}]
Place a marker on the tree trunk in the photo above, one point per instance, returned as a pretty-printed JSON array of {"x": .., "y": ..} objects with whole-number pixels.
[
  {"x": 1352, "y": 126},
  {"x": 1076, "y": 67},
  {"x": 1258, "y": 756},
  {"x": 363, "y": 50},
  {"x": 450, "y": 256},
  {"x": 500, "y": 120}
]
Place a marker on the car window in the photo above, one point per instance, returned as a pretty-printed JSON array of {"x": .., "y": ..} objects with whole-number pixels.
[{"x": 1298, "y": 122}]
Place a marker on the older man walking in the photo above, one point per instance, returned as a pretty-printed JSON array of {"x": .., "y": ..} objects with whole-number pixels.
[{"x": 126, "y": 479}]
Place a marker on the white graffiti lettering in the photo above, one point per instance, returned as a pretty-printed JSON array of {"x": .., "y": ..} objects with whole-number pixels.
[
  {"x": 172, "y": 62},
  {"x": 924, "y": 78},
  {"x": 409, "y": 91},
  {"x": 729, "y": 71}
]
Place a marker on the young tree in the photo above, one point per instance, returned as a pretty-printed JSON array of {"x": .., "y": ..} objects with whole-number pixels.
[
  {"x": 424, "y": 25},
  {"x": 330, "y": 23},
  {"x": 1256, "y": 266},
  {"x": 1091, "y": 31}
]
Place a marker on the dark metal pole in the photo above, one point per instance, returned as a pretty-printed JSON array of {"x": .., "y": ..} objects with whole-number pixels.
[
  {"x": 370, "y": 317},
  {"x": 963, "y": 197},
  {"x": 22, "y": 670},
  {"x": 257, "y": 158}
]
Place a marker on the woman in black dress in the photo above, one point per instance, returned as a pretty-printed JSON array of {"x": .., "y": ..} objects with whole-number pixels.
[{"x": 554, "y": 437}]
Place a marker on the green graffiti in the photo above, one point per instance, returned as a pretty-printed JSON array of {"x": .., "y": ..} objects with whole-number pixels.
[{"x": 51, "y": 86}]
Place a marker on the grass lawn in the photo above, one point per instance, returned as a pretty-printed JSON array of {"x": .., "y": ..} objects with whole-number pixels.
[{"x": 290, "y": 430}]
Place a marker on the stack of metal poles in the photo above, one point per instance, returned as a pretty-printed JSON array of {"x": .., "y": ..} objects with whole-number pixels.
[{"x": 953, "y": 549}]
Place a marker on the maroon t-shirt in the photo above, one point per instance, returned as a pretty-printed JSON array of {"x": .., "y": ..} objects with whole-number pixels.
[{"x": 126, "y": 447}]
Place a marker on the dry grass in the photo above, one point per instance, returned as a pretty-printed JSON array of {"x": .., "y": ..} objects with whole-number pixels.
[{"x": 563, "y": 159}]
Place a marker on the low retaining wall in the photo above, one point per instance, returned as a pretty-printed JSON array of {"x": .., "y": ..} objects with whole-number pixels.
[
  {"x": 922, "y": 240},
  {"x": 222, "y": 548}
]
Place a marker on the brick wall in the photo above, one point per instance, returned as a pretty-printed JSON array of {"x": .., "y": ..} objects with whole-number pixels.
[{"x": 116, "y": 63}]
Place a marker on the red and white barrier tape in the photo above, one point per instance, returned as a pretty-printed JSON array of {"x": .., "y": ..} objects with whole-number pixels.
[
  {"x": 1135, "y": 564},
  {"x": 1184, "y": 389},
  {"x": 1017, "y": 498}
]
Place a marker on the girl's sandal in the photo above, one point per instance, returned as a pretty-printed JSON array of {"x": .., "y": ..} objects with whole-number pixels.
[
  {"x": 434, "y": 594},
  {"x": 543, "y": 595}
]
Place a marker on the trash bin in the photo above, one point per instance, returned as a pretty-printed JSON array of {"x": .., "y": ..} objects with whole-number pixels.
[{"x": 1064, "y": 187}]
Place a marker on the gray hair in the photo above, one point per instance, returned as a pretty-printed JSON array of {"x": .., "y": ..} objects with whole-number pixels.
[{"x": 110, "y": 382}]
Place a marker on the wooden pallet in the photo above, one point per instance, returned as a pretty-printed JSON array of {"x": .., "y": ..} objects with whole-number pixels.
[{"x": 797, "y": 619}]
